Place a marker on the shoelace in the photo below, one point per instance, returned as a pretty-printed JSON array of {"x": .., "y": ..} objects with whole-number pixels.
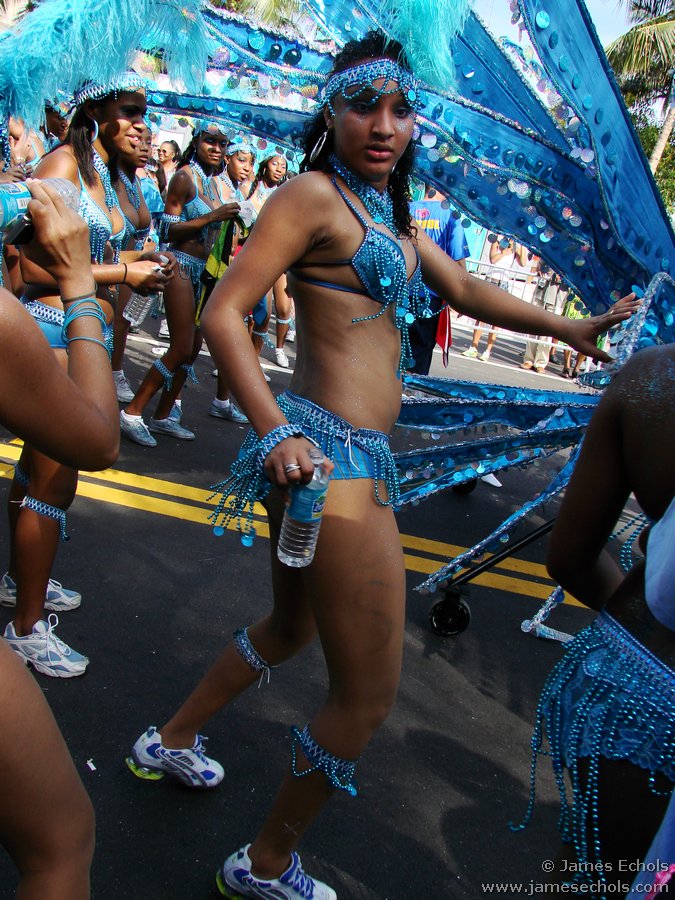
[
  {"x": 61, "y": 647},
  {"x": 301, "y": 881},
  {"x": 198, "y": 748}
]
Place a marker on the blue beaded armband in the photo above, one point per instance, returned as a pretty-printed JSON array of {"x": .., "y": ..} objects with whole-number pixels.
[
  {"x": 165, "y": 223},
  {"x": 274, "y": 437}
]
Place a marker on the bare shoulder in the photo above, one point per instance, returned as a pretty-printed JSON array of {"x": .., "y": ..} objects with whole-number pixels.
[
  {"x": 60, "y": 163},
  {"x": 310, "y": 188}
]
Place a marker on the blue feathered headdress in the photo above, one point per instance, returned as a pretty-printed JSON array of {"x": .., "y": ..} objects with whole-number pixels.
[{"x": 64, "y": 43}]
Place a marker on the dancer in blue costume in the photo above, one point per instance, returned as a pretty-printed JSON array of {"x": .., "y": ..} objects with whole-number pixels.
[
  {"x": 138, "y": 222},
  {"x": 192, "y": 216},
  {"x": 608, "y": 707},
  {"x": 356, "y": 265},
  {"x": 107, "y": 119}
]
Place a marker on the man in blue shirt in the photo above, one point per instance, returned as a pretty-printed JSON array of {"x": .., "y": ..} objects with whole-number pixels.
[{"x": 435, "y": 216}]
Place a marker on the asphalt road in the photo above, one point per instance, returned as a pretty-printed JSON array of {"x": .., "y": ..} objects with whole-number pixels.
[{"x": 440, "y": 781}]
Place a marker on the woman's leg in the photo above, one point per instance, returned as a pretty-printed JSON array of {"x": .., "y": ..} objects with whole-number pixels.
[
  {"x": 46, "y": 817},
  {"x": 179, "y": 302},
  {"x": 120, "y": 328},
  {"x": 282, "y": 309},
  {"x": 277, "y": 637},
  {"x": 36, "y": 536},
  {"x": 359, "y": 613}
]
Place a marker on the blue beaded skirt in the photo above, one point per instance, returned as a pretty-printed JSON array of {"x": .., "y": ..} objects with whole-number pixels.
[{"x": 607, "y": 697}]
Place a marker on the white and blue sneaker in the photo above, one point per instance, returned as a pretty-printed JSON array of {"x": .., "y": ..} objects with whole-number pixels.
[
  {"x": 150, "y": 760},
  {"x": 46, "y": 652},
  {"x": 172, "y": 428},
  {"x": 136, "y": 430},
  {"x": 234, "y": 880},
  {"x": 176, "y": 412},
  {"x": 57, "y": 598},
  {"x": 230, "y": 412}
]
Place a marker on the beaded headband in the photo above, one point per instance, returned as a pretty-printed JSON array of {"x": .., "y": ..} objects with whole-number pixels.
[
  {"x": 241, "y": 144},
  {"x": 92, "y": 90},
  {"x": 205, "y": 127},
  {"x": 350, "y": 83}
]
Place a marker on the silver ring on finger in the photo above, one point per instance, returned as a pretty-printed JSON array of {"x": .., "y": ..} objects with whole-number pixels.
[{"x": 291, "y": 467}]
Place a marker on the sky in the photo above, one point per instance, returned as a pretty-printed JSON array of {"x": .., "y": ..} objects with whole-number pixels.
[{"x": 608, "y": 17}]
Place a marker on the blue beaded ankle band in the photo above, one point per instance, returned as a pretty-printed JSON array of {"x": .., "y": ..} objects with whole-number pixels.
[
  {"x": 20, "y": 475},
  {"x": 166, "y": 374},
  {"x": 190, "y": 372},
  {"x": 340, "y": 772},
  {"x": 46, "y": 509},
  {"x": 250, "y": 655},
  {"x": 266, "y": 339}
]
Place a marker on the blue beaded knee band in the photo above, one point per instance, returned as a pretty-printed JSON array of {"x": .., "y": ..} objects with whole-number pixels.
[
  {"x": 250, "y": 655},
  {"x": 284, "y": 321},
  {"x": 166, "y": 374},
  {"x": 191, "y": 375},
  {"x": 339, "y": 772},
  {"x": 266, "y": 339},
  {"x": 20, "y": 475},
  {"x": 46, "y": 509}
]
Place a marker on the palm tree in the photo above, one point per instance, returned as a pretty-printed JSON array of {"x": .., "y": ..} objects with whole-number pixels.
[{"x": 644, "y": 62}]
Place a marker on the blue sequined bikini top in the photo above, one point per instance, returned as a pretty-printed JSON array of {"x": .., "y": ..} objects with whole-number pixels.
[
  {"x": 195, "y": 208},
  {"x": 379, "y": 264},
  {"x": 100, "y": 226},
  {"x": 140, "y": 235}
]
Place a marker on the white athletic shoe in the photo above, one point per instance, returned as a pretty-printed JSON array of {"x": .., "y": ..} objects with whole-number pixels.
[
  {"x": 151, "y": 760},
  {"x": 281, "y": 358},
  {"x": 57, "y": 598},
  {"x": 235, "y": 880},
  {"x": 123, "y": 388},
  {"x": 46, "y": 652}
]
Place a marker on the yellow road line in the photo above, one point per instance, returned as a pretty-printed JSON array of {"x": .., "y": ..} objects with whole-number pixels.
[{"x": 133, "y": 491}]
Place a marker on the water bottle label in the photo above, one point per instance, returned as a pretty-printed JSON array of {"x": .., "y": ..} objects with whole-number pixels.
[
  {"x": 14, "y": 199},
  {"x": 307, "y": 506}
]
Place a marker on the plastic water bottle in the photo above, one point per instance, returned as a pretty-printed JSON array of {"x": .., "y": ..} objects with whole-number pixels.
[
  {"x": 14, "y": 200},
  {"x": 302, "y": 518},
  {"x": 138, "y": 307}
]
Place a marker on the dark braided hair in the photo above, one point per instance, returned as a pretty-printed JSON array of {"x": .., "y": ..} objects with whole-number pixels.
[
  {"x": 373, "y": 45},
  {"x": 261, "y": 172}
]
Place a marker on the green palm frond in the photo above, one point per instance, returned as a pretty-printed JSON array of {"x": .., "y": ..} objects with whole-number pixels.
[{"x": 646, "y": 55}]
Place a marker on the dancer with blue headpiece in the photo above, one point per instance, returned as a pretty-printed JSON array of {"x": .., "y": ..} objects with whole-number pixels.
[
  {"x": 108, "y": 119},
  {"x": 192, "y": 216},
  {"x": 357, "y": 267}
]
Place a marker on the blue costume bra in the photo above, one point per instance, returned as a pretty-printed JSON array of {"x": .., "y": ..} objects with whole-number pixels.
[
  {"x": 379, "y": 264},
  {"x": 100, "y": 226},
  {"x": 196, "y": 208},
  {"x": 140, "y": 235}
]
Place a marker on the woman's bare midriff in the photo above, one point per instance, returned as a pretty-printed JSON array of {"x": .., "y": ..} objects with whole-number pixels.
[{"x": 349, "y": 368}]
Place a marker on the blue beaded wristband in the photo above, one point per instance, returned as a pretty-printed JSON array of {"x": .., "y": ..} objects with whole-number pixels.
[{"x": 274, "y": 437}]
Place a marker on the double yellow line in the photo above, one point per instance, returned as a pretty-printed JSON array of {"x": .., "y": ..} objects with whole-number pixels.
[{"x": 191, "y": 504}]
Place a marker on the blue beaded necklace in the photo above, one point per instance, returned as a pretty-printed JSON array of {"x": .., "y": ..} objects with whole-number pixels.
[
  {"x": 379, "y": 206},
  {"x": 104, "y": 175},
  {"x": 206, "y": 180},
  {"x": 131, "y": 187}
]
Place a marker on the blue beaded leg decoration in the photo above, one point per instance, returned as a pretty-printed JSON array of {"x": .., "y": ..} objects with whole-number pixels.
[
  {"x": 190, "y": 373},
  {"x": 284, "y": 321},
  {"x": 166, "y": 374},
  {"x": 250, "y": 655},
  {"x": 266, "y": 339},
  {"x": 339, "y": 772},
  {"x": 20, "y": 475},
  {"x": 46, "y": 509}
]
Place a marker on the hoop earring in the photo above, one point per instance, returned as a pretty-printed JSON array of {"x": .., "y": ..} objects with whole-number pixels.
[
  {"x": 318, "y": 147},
  {"x": 94, "y": 131}
]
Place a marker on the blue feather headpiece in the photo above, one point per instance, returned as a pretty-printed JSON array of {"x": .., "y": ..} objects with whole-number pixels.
[{"x": 93, "y": 90}]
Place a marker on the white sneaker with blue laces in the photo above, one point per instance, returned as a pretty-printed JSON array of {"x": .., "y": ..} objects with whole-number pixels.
[
  {"x": 136, "y": 430},
  {"x": 46, "y": 652},
  {"x": 235, "y": 880},
  {"x": 57, "y": 598},
  {"x": 151, "y": 760}
]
